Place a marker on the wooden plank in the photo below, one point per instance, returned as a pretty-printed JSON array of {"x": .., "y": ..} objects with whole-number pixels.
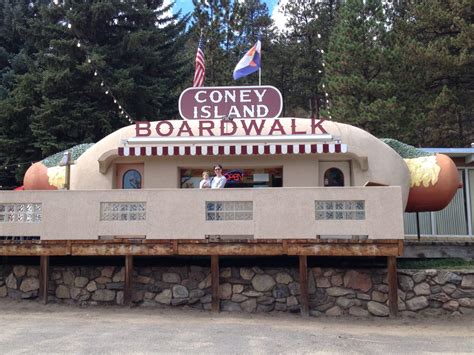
[
  {"x": 304, "y": 298},
  {"x": 205, "y": 241},
  {"x": 201, "y": 247},
  {"x": 215, "y": 283},
  {"x": 439, "y": 250},
  {"x": 401, "y": 248},
  {"x": 342, "y": 241},
  {"x": 344, "y": 250},
  {"x": 121, "y": 249},
  {"x": 392, "y": 285},
  {"x": 230, "y": 249},
  {"x": 44, "y": 279},
  {"x": 34, "y": 249},
  {"x": 128, "y": 287}
]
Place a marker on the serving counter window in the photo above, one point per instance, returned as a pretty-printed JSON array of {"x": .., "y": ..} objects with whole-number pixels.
[{"x": 236, "y": 178}]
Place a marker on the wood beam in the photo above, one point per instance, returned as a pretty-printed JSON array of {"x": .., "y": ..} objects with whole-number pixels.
[
  {"x": 92, "y": 249},
  {"x": 430, "y": 249},
  {"x": 261, "y": 247},
  {"x": 392, "y": 285},
  {"x": 44, "y": 279},
  {"x": 215, "y": 283},
  {"x": 304, "y": 298},
  {"x": 230, "y": 249},
  {"x": 349, "y": 249},
  {"x": 128, "y": 287},
  {"x": 34, "y": 249}
]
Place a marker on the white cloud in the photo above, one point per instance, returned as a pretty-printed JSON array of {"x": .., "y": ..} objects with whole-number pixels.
[
  {"x": 166, "y": 14},
  {"x": 278, "y": 15}
]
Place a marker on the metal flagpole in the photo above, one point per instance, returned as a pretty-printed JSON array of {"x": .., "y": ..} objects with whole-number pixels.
[{"x": 259, "y": 76}]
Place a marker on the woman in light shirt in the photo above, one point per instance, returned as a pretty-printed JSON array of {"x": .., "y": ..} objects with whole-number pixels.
[{"x": 218, "y": 181}]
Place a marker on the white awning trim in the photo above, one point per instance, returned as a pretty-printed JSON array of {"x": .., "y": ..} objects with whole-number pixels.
[{"x": 240, "y": 149}]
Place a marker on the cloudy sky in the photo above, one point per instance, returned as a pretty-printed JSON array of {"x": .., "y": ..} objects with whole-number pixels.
[{"x": 273, "y": 6}]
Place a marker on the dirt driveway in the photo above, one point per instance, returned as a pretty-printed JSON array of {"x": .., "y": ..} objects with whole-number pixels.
[{"x": 28, "y": 327}]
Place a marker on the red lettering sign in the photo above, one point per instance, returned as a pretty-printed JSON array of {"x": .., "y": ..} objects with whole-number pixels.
[
  {"x": 234, "y": 175},
  {"x": 205, "y": 128}
]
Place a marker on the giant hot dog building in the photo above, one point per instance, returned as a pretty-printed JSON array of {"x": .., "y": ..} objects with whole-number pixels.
[{"x": 295, "y": 186}]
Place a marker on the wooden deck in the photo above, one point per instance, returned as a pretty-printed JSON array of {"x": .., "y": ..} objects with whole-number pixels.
[{"x": 128, "y": 248}]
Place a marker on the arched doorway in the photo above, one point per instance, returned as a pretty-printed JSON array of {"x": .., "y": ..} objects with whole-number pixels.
[
  {"x": 334, "y": 173},
  {"x": 129, "y": 176},
  {"x": 333, "y": 177},
  {"x": 132, "y": 179}
]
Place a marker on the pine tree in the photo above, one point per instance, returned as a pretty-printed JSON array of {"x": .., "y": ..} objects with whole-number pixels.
[
  {"x": 57, "y": 101},
  {"x": 436, "y": 71},
  {"x": 134, "y": 48},
  {"x": 15, "y": 46},
  {"x": 309, "y": 24},
  {"x": 18, "y": 96},
  {"x": 278, "y": 70},
  {"x": 230, "y": 28},
  {"x": 254, "y": 23},
  {"x": 360, "y": 62},
  {"x": 212, "y": 19}
]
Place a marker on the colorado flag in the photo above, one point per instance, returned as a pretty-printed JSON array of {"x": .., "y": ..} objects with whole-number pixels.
[{"x": 250, "y": 62}]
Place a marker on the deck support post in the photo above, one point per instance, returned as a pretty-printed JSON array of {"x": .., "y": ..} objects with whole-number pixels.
[
  {"x": 392, "y": 285},
  {"x": 127, "y": 291},
  {"x": 304, "y": 285},
  {"x": 215, "y": 283},
  {"x": 44, "y": 279}
]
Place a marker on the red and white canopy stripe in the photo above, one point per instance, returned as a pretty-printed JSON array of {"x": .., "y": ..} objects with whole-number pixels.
[{"x": 240, "y": 149}]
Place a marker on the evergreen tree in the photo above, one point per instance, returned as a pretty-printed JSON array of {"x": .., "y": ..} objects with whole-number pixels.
[
  {"x": 213, "y": 19},
  {"x": 436, "y": 72},
  {"x": 13, "y": 22},
  {"x": 278, "y": 70},
  {"x": 230, "y": 28},
  {"x": 18, "y": 96},
  {"x": 58, "y": 102},
  {"x": 132, "y": 45},
  {"x": 309, "y": 24},
  {"x": 360, "y": 62}
]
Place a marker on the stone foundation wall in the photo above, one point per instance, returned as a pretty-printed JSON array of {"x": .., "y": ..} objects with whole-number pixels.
[{"x": 333, "y": 292}]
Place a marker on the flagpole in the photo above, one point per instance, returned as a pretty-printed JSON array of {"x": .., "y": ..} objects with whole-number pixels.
[{"x": 259, "y": 76}]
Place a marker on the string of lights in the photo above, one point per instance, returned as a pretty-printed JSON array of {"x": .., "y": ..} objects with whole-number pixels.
[
  {"x": 17, "y": 165},
  {"x": 106, "y": 88},
  {"x": 121, "y": 109},
  {"x": 321, "y": 71}
]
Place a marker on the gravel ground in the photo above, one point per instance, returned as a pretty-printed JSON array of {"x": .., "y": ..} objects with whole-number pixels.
[{"x": 29, "y": 327}]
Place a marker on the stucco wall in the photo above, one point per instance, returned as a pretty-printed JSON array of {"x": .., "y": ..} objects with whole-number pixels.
[
  {"x": 385, "y": 166},
  {"x": 181, "y": 214}
]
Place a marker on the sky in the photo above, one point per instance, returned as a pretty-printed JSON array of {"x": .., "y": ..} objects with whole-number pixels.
[{"x": 273, "y": 7}]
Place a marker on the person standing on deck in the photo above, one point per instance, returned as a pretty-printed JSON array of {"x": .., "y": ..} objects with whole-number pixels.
[
  {"x": 218, "y": 181},
  {"x": 205, "y": 182}
]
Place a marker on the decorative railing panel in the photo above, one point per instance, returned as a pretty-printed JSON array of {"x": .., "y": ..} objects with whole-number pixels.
[
  {"x": 340, "y": 210},
  {"x": 122, "y": 211},
  {"x": 20, "y": 212},
  {"x": 229, "y": 210}
]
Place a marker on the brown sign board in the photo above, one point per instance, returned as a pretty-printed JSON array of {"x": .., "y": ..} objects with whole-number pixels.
[{"x": 204, "y": 103}]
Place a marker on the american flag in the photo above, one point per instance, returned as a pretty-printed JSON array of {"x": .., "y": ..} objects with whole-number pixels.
[{"x": 200, "y": 71}]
